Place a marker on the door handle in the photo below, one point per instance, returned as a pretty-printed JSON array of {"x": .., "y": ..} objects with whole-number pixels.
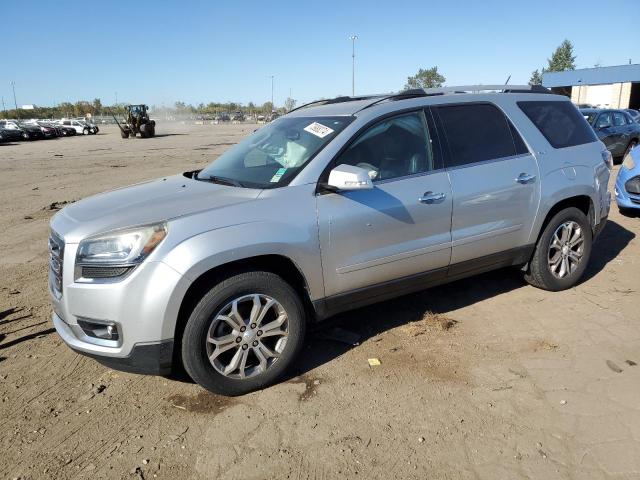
[
  {"x": 525, "y": 178},
  {"x": 430, "y": 197}
]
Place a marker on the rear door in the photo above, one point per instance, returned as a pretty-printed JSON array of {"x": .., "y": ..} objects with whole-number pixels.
[
  {"x": 399, "y": 228},
  {"x": 495, "y": 185}
]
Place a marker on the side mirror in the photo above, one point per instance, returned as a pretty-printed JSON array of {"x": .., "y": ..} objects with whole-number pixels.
[{"x": 348, "y": 177}]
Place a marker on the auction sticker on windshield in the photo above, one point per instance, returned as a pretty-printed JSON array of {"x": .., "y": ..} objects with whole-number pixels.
[
  {"x": 276, "y": 178},
  {"x": 318, "y": 129}
]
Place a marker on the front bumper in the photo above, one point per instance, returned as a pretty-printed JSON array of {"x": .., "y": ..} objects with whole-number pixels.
[
  {"x": 154, "y": 358},
  {"x": 144, "y": 306},
  {"x": 625, "y": 199}
]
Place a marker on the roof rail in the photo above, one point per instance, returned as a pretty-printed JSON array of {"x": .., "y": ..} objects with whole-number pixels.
[
  {"x": 328, "y": 101},
  {"x": 487, "y": 88}
]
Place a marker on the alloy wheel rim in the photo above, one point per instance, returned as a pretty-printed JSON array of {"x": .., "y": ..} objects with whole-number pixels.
[
  {"x": 247, "y": 336},
  {"x": 566, "y": 249}
]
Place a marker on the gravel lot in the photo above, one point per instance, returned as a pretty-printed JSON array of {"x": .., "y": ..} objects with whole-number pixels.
[{"x": 482, "y": 378}]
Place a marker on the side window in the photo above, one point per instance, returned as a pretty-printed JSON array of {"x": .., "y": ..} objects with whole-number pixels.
[
  {"x": 476, "y": 133},
  {"x": 604, "y": 120},
  {"x": 618, "y": 119},
  {"x": 392, "y": 148},
  {"x": 66, "y": 122},
  {"x": 559, "y": 121}
]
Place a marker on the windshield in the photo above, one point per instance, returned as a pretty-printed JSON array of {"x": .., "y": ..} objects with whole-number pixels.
[{"x": 273, "y": 155}]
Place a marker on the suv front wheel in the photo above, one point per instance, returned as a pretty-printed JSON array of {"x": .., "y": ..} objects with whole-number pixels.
[
  {"x": 562, "y": 251},
  {"x": 244, "y": 333}
]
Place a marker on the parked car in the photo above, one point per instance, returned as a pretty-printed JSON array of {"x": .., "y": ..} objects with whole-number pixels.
[
  {"x": 615, "y": 128},
  {"x": 62, "y": 130},
  {"x": 48, "y": 130},
  {"x": 237, "y": 117},
  {"x": 30, "y": 131},
  {"x": 11, "y": 132},
  {"x": 634, "y": 114},
  {"x": 93, "y": 128},
  {"x": 627, "y": 189},
  {"x": 336, "y": 205},
  {"x": 81, "y": 128}
]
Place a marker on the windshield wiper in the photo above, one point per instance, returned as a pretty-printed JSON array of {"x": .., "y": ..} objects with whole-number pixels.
[{"x": 221, "y": 180}]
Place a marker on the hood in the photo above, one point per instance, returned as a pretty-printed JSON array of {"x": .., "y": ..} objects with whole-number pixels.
[{"x": 145, "y": 203}]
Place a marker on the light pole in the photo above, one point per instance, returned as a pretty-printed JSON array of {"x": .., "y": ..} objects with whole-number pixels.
[
  {"x": 4, "y": 110},
  {"x": 15, "y": 103},
  {"x": 272, "y": 106},
  {"x": 353, "y": 39}
]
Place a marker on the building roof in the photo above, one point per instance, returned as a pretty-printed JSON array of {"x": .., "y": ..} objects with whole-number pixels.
[{"x": 592, "y": 76}]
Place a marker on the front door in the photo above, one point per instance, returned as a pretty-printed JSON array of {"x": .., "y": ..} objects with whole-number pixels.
[{"x": 399, "y": 228}]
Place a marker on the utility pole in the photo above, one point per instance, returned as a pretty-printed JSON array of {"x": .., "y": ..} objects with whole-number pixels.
[
  {"x": 272, "y": 105},
  {"x": 116, "y": 99},
  {"x": 15, "y": 103},
  {"x": 353, "y": 39},
  {"x": 4, "y": 110}
]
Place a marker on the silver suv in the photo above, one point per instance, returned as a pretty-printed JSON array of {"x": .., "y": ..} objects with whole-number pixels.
[{"x": 339, "y": 204}]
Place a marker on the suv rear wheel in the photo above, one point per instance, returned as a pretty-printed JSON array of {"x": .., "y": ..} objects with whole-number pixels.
[
  {"x": 243, "y": 334},
  {"x": 562, "y": 252}
]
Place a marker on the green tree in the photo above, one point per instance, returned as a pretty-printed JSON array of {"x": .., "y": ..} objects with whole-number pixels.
[
  {"x": 97, "y": 106},
  {"x": 536, "y": 77},
  {"x": 289, "y": 104},
  {"x": 563, "y": 58},
  {"x": 428, "y": 78}
]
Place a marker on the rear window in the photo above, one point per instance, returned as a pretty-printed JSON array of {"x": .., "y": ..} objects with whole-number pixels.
[
  {"x": 560, "y": 122},
  {"x": 478, "y": 132}
]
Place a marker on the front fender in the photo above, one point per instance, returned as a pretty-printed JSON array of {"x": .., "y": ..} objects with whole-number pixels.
[{"x": 199, "y": 254}]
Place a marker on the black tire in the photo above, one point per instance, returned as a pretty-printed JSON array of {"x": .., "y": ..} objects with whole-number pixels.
[
  {"x": 144, "y": 131},
  {"x": 194, "y": 343},
  {"x": 539, "y": 273},
  {"x": 124, "y": 134}
]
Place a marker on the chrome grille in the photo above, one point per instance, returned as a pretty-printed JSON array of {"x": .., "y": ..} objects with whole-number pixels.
[{"x": 56, "y": 261}]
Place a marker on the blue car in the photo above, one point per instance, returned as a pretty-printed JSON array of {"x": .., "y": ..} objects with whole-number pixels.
[{"x": 628, "y": 182}]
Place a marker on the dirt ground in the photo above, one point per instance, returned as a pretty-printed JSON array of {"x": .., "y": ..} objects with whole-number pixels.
[{"x": 484, "y": 378}]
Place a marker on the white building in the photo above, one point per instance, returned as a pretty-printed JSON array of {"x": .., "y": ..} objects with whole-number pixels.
[{"x": 610, "y": 87}]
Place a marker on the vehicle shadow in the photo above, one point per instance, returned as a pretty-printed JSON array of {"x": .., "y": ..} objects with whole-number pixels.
[
  {"x": 631, "y": 213},
  {"x": 160, "y": 135},
  {"x": 613, "y": 239}
]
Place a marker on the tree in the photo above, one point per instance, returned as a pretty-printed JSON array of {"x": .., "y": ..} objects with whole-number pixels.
[
  {"x": 536, "y": 77},
  {"x": 563, "y": 58},
  {"x": 97, "y": 106},
  {"x": 429, "y": 78},
  {"x": 289, "y": 104}
]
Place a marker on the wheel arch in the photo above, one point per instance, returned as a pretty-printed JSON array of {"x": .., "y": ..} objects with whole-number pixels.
[
  {"x": 582, "y": 202},
  {"x": 280, "y": 265}
]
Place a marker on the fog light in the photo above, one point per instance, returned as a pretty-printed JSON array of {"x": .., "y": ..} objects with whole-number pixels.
[{"x": 97, "y": 329}]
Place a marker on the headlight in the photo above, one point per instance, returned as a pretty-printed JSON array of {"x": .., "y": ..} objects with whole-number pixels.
[
  {"x": 628, "y": 162},
  {"x": 122, "y": 247}
]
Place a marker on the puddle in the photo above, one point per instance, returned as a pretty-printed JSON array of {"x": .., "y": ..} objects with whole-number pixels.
[{"x": 203, "y": 402}]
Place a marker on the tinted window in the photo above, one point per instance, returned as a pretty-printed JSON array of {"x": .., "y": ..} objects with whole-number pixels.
[
  {"x": 392, "y": 148},
  {"x": 604, "y": 120},
  {"x": 560, "y": 122},
  {"x": 475, "y": 133},
  {"x": 618, "y": 119}
]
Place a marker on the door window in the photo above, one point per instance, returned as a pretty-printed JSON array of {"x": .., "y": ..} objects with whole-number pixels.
[
  {"x": 604, "y": 120},
  {"x": 476, "y": 133},
  {"x": 618, "y": 119},
  {"x": 395, "y": 147}
]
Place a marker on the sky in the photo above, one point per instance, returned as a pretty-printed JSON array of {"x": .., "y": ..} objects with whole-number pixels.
[{"x": 159, "y": 52}]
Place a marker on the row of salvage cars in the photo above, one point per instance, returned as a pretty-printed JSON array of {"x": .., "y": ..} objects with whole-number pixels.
[{"x": 18, "y": 130}]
